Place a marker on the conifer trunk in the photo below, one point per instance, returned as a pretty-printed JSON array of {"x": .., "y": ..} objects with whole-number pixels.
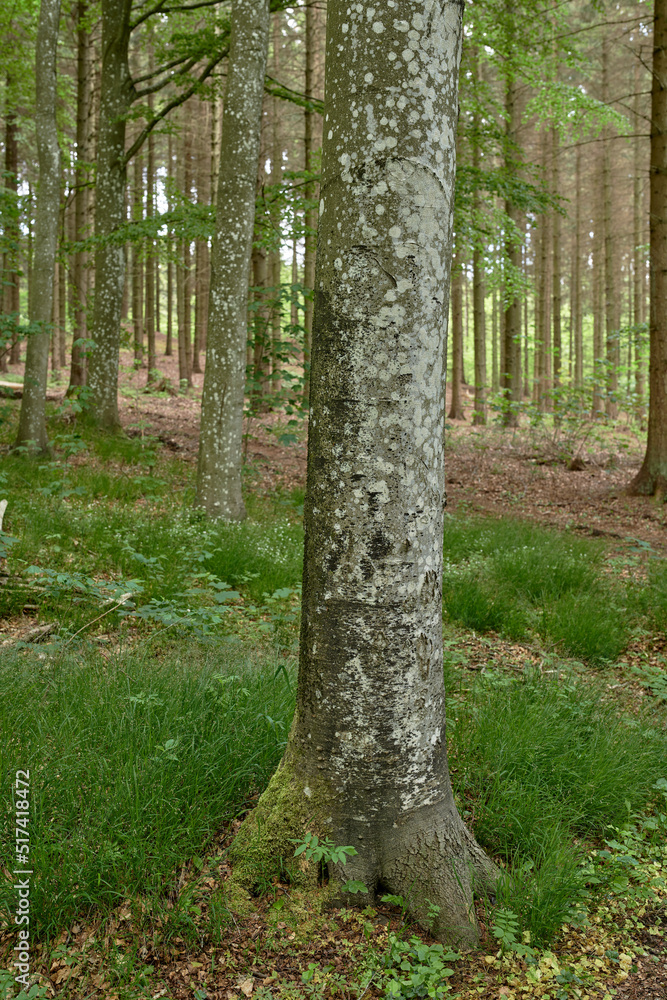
[
  {"x": 32, "y": 418},
  {"x": 652, "y": 477}
]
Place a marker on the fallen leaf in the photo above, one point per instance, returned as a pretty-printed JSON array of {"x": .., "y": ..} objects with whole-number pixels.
[{"x": 246, "y": 986}]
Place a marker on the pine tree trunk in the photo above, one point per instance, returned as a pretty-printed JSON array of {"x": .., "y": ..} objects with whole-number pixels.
[
  {"x": 557, "y": 269},
  {"x": 612, "y": 311},
  {"x": 220, "y": 443},
  {"x": 366, "y": 764},
  {"x": 478, "y": 287},
  {"x": 652, "y": 477},
  {"x": 115, "y": 100},
  {"x": 638, "y": 259},
  {"x": 138, "y": 265},
  {"x": 12, "y": 289},
  {"x": 32, "y": 418},
  {"x": 576, "y": 301},
  {"x": 510, "y": 379},
  {"x": 150, "y": 259}
]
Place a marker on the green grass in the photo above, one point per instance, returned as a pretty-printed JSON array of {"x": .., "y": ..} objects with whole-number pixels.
[
  {"x": 134, "y": 761},
  {"x": 516, "y": 578},
  {"x": 543, "y": 761}
]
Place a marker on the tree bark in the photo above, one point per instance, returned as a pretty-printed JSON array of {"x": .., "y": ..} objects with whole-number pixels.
[
  {"x": 32, "y": 418},
  {"x": 220, "y": 445},
  {"x": 116, "y": 90},
  {"x": 652, "y": 477},
  {"x": 366, "y": 759},
  {"x": 478, "y": 283}
]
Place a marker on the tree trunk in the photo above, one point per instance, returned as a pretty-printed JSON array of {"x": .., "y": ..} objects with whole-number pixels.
[
  {"x": 220, "y": 444},
  {"x": 204, "y": 164},
  {"x": 495, "y": 360},
  {"x": 478, "y": 286},
  {"x": 115, "y": 100},
  {"x": 366, "y": 760},
  {"x": 556, "y": 292},
  {"x": 310, "y": 196},
  {"x": 274, "y": 256},
  {"x": 510, "y": 378},
  {"x": 138, "y": 265},
  {"x": 456, "y": 404},
  {"x": 598, "y": 317},
  {"x": 638, "y": 258},
  {"x": 652, "y": 477},
  {"x": 11, "y": 298},
  {"x": 149, "y": 314},
  {"x": 611, "y": 297},
  {"x": 576, "y": 303},
  {"x": 32, "y": 419}
]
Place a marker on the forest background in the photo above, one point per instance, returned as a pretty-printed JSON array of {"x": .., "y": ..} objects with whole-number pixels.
[{"x": 142, "y": 640}]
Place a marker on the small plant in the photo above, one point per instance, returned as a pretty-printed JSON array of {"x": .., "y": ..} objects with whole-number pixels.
[
  {"x": 325, "y": 853},
  {"x": 414, "y": 969}
]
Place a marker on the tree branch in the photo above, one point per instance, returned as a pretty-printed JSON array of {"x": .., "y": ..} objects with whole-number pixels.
[
  {"x": 163, "y": 83},
  {"x": 170, "y": 105},
  {"x": 160, "y": 69}
]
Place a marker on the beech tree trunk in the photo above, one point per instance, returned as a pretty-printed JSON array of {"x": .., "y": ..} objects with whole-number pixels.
[
  {"x": 652, "y": 477},
  {"x": 576, "y": 303},
  {"x": 556, "y": 293},
  {"x": 220, "y": 443},
  {"x": 149, "y": 312},
  {"x": 115, "y": 100},
  {"x": 366, "y": 760},
  {"x": 32, "y": 418},
  {"x": 138, "y": 265}
]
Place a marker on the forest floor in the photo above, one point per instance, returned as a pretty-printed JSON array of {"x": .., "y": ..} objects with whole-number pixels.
[{"x": 572, "y": 478}]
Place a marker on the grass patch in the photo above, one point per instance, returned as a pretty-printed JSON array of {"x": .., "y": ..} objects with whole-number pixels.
[
  {"x": 543, "y": 761},
  {"x": 134, "y": 763},
  {"x": 515, "y": 578}
]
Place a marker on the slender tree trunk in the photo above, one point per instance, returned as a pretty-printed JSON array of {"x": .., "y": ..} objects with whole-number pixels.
[
  {"x": 32, "y": 418},
  {"x": 576, "y": 301},
  {"x": 115, "y": 99},
  {"x": 652, "y": 477},
  {"x": 495, "y": 360},
  {"x": 511, "y": 375},
  {"x": 274, "y": 256},
  {"x": 12, "y": 290},
  {"x": 149, "y": 314},
  {"x": 185, "y": 328},
  {"x": 456, "y": 405},
  {"x": 557, "y": 268},
  {"x": 138, "y": 265},
  {"x": 612, "y": 311},
  {"x": 598, "y": 315},
  {"x": 204, "y": 165},
  {"x": 220, "y": 443},
  {"x": 310, "y": 196},
  {"x": 478, "y": 288},
  {"x": 168, "y": 350},
  {"x": 365, "y": 764},
  {"x": 638, "y": 257}
]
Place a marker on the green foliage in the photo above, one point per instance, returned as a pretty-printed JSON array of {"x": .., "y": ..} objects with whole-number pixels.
[{"x": 414, "y": 969}]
